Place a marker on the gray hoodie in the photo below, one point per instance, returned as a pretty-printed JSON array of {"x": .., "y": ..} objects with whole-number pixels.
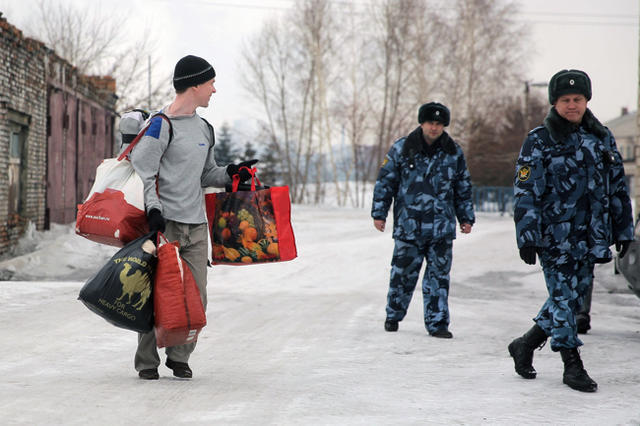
[{"x": 183, "y": 167}]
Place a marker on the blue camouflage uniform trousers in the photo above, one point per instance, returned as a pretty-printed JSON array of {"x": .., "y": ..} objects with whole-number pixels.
[
  {"x": 567, "y": 284},
  {"x": 406, "y": 263}
]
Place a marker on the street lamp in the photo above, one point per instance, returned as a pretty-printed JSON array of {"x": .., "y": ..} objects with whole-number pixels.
[{"x": 527, "y": 86}]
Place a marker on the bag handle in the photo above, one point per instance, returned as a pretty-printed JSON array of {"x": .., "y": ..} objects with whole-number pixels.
[
  {"x": 254, "y": 179},
  {"x": 161, "y": 239}
]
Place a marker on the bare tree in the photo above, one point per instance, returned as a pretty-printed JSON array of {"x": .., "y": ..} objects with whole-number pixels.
[
  {"x": 395, "y": 25},
  {"x": 94, "y": 41},
  {"x": 352, "y": 109},
  {"x": 287, "y": 69},
  {"x": 493, "y": 153},
  {"x": 484, "y": 62},
  {"x": 328, "y": 80},
  {"x": 316, "y": 31},
  {"x": 269, "y": 75},
  {"x": 408, "y": 39}
]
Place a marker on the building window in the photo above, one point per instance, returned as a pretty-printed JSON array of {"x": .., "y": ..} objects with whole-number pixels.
[
  {"x": 16, "y": 170},
  {"x": 18, "y": 124}
]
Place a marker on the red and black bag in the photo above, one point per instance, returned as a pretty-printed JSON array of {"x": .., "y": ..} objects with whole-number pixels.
[
  {"x": 252, "y": 226},
  {"x": 113, "y": 212},
  {"x": 179, "y": 312}
]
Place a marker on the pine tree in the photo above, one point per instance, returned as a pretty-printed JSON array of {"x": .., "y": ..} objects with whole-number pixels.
[
  {"x": 249, "y": 151},
  {"x": 270, "y": 173},
  {"x": 224, "y": 149}
]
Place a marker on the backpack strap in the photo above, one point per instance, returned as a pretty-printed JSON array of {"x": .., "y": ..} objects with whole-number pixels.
[
  {"x": 144, "y": 112},
  {"x": 141, "y": 133},
  {"x": 168, "y": 120},
  {"x": 213, "y": 134}
]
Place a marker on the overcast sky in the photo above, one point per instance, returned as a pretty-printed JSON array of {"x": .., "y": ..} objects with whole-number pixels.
[{"x": 599, "y": 37}]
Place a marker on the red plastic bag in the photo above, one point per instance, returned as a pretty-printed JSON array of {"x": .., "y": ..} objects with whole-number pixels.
[
  {"x": 114, "y": 212},
  {"x": 179, "y": 312},
  {"x": 248, "y": 227}
]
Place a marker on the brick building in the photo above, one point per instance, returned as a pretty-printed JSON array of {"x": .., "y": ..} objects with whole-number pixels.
[{"x": 56, "y": 126}]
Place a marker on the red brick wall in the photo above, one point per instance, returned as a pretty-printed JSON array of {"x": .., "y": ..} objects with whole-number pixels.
[
  {"x": 30, "y": 76},
  {"x": 23, "y": 92}
]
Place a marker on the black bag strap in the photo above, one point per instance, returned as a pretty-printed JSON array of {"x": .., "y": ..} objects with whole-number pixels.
[{"x": 213, "y": 133}]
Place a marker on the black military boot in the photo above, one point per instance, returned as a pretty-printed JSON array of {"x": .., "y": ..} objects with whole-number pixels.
[
  {"x": 390, "y": 325},
  {"x": 521, "y": 350},
  {"x": 583, "y": 323},
  {"x": 575, "y": 376},
  {"x": 583, "y": 319}
]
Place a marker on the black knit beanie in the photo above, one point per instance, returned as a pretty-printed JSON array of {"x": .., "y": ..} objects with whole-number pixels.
[
  {"x": 434, "y": 111},
  {"x": 191, "y": 71},
  {"x": 567, "y": 82}
]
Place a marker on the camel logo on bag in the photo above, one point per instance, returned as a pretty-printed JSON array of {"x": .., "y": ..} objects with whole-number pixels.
[{"x": 136, "y": 283}]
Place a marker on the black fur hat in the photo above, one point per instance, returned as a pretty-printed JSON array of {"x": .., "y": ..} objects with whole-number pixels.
[
  {"x": 567, "y": 82},
  {"x": 434, "y": 111},
  {"x": 191, "y": 71}
]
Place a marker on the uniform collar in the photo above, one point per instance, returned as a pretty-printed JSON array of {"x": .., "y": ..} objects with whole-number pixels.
[
  {"x": 416, "y": 143},
  {"x": 560, "y": 128}
]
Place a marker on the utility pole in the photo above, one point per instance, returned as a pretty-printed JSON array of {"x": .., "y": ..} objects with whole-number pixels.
[
  {"x": 635, "y": 183},
  {"x": 527, "y": 89},
  {"x": 149, "y": 81}
]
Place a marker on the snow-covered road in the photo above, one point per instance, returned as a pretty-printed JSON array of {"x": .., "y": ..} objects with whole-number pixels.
[{"x": 302, "y": 342}]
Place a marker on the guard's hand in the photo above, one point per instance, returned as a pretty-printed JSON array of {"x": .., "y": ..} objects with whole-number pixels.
[
  {"x": 622, "y": 247},
  {"x": 465, "y": 228},
  {"x": 379, "y": 224},
  {"x": 155, "y": 221},
  {"x": 241, "y": 169},
  {"x": 528, "y": 254}
]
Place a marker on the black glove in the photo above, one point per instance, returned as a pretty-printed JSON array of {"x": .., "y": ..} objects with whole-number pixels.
[
  {"x": 528, "y": 254},
  {"x": 235, "y": 169},
  {"x": 155, "y": 221},
  {"x": 622, "y": 247}
]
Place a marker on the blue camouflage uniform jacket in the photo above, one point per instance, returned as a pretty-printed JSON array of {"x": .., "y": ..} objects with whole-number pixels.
[
  {"x": 571, "y": 198},
  {"x": 429, "y": 187}
]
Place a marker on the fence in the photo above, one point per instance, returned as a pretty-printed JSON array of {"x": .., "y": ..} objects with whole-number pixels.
[{"x": 493, "y": 199}]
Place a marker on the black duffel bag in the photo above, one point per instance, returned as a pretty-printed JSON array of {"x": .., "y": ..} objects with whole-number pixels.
[{"x": 122, "y": 291}]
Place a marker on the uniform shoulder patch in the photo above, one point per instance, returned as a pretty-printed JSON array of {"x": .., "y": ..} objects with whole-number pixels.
[
  {"x": 385, "y": 161},
  {"x": 524, "y": 173}
]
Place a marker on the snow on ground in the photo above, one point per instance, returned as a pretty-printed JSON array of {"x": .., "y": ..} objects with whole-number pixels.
[{"x": 302, "y": 342}]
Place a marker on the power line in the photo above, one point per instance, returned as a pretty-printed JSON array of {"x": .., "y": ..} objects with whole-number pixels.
[
  {"x": 599, "y": 19},
  {"x": 583, "y": 15},
  {"x": 569, "y": 22}
]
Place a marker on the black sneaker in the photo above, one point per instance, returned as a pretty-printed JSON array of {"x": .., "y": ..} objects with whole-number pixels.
[
  {"x": 149, "y": 374},
  {"x": 391, "y": 325},
  {"x": 442, "y": 333},
  {"x": 180, "y": 369}
]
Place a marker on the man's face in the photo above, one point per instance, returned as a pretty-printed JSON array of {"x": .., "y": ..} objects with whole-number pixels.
[
  {"x": 432, "y": 130},
  {"x": 571, "y": 107},
  {"x": 204, "y": 91}
]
